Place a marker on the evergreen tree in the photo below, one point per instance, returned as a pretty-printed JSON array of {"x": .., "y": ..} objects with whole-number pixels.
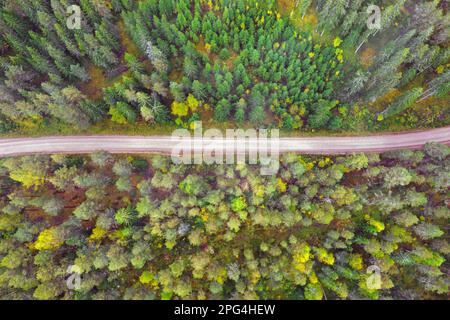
[
  {"x": 157, "y": 58},
  {"x": 403, "y": 102}
]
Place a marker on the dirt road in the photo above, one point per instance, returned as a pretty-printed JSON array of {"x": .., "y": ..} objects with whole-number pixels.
[{"x": 165, "y": 144}]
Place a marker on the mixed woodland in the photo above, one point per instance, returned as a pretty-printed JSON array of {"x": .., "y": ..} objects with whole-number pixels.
[
  {"x": 140, "y": 227},
  {"x": 297, "y": 65}
]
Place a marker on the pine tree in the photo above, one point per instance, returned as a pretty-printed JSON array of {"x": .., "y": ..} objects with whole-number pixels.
[
  {"x": 190, "y": 68},
  {"x": 222, "y": 110},
  {"x": 46, "y": 23},
  {"x": 303, "y": 6},
  {"x": 240, "y": 108},
  {"x": 257, "y": 115},
  {"x": 321, "y": 114},
  {"x": 39, "y": 63},
  {"x": 438, "y": 86},
  {"x": 133, "y": 63},
  {"x": 177, "y": 91},
  {"x": 66, "y": 106},
  {"x": 352, "y": 20},
  {"x": 403, "y": 102},
  {"x": 166, "y": 7},
  {"x": 14, "y": 42},
  {"x": 14, "y": 22},
  {"x": 196, "y": 24},
  {"x": 160, "y": 111},
  {"x": 331, "y": 14},
  {"x": 157, "y": 57},
  {"x": 61, "y": 60},
  {"x": 89, "y": 9},
  {"x": 385, "y": 75},
  {"x": 59, "y": 10},
  {"x": 29, "y": 10},
  {"x": 5, "y": 125},
  {"x": 122, "y": 113},
  {"x": 198, "y": 89},
  {"x": 69, "y": 43},
  {"x": 106, "y": 37},
  {"x": 390, "y": 13},
  {"x": 159, "y": 85}
]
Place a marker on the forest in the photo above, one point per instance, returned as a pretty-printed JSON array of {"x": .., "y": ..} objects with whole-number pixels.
[
  {"x": 103, "y": 226},
  {"x": 140, "y": 227},
  {"x": 301, "y": 66}
]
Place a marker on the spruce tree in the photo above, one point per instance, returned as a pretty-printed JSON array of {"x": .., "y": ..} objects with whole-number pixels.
[{"x": 402, "y": 102}]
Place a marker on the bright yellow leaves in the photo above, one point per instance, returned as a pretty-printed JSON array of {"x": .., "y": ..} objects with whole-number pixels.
[
  {"x": 146, "y": 277},
  {"x": 337, "y": 42},
  {"x": 221, "y": 275},
  {"x": 97, "y": 234},
  {"x": 313, "y": 278},
  {"x": 440, "y": 69},
  {"x": 180, "y": 109},
  {"x": 356, "y": 261},
  {"x": 301, "y": 255},
  {"x": 204, "y": 215},
  {"x": 192, "y": 103},
  {"x": 259, "y": 191},
  {"x": 339, "y": 55},
  {"x": 48, "y": 239},
  {"x": 378, "y": 225},
  {"x": 324, "y": 256},
  {"x": 261, "y": 21},
  {"x": 28, "y": 177},
  {"x": 309, "y": 166},
  {"x": 281, "y": 185},
  {"x": 28, "y": 123},
  {"x": 193, "y": 125},
  {"x": 255, "y": 276},
  {"x": 322, "y": 163},
  {"x": 311, "y": 54}
]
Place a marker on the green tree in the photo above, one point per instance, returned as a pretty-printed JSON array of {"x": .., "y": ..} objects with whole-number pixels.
[{"x": 402, "y": 102}]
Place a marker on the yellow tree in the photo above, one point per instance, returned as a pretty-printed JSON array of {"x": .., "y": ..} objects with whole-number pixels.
[
  {"x": 48, "y": 239},
  {"x": 180, "y": 109},
  {"x": 31, "y": 172}
]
